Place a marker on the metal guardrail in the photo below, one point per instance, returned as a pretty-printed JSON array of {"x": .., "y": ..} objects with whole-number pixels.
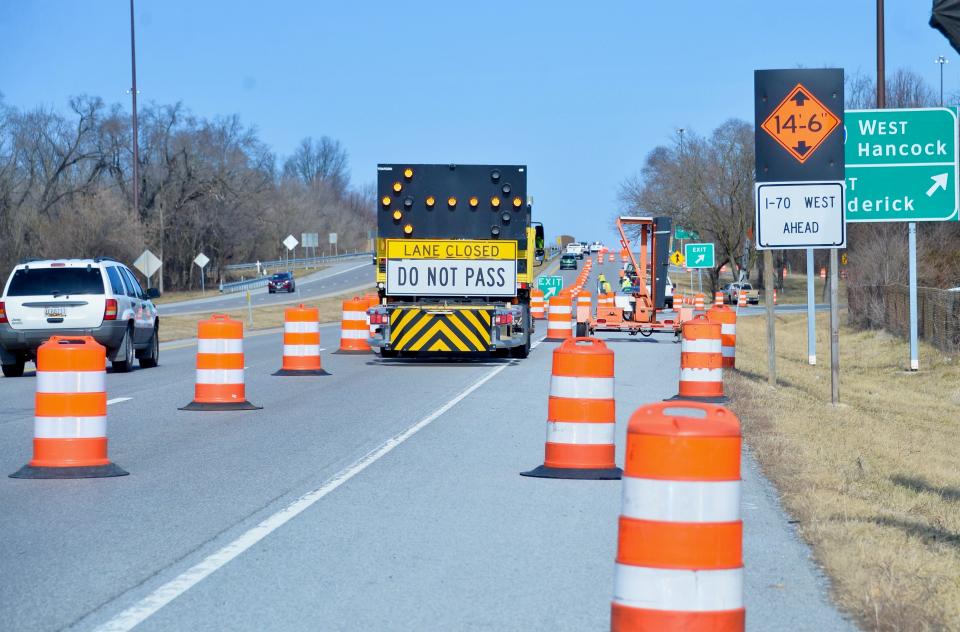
[
  {"x": 292, "y": 264},
  {"x": 240, "y": 286}
]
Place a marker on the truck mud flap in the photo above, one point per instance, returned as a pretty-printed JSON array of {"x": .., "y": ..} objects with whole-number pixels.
[{"x": 445, "y": 331}]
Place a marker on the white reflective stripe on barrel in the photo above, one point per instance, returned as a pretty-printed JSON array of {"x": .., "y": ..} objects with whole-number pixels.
[
  {"x": 219, "y": 376},
  {"x": 701, "y": 375},
  {"x": 580, "y": 433},
  {"x": 301, "y": 350},
  {"x": 560, "y": 309},
  {"x": 700, "y": 345},
  {"x": 69, "y": 427},
  {"x": 354, "y": 334},
  {"x": 220, "y": 345},
  {"x": 301, "y": 327},
  {"x": 729, "y": 352},
  {"x": 728, "y": 329},
  {"x": 678, "y": 590},
  {"x": 581, "y": 387},
  {"x": 680, "y": 501},
  {"x": 355, "y": 316},
  {"x": 71, "y": 381}
]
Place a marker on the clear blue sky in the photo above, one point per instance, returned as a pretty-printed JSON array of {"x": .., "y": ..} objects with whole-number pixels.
[{"x": 580, "y": 92}]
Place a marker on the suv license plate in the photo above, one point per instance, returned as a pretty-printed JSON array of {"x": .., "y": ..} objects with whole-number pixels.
[{"x": 55, "y": 312}]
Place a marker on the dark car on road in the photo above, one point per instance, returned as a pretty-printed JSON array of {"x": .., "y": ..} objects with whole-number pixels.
[
  {"x": 568, "y": 261},
  {"x": 281, "y": 282}
]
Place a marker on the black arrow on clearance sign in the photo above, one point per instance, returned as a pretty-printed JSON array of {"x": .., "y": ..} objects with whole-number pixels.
[
  {"x": 799, "y": 98},
  {"x": 802, "y": 148}
]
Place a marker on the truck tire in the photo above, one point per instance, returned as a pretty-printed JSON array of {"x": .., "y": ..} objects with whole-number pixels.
[{"x": 15, "y": 369}]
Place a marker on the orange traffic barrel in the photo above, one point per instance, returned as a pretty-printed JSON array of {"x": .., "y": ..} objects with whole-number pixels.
[
  {"x": 728, "y": 332},
  {"x": 584, "y": 305},
  {"x": 537, "y": 305},
  {"x": 677, "y": 299},
  {"x": 717, "y": 299},
  {"x": 301, "y": 342},
  {"x": 354, "y": 330},
  {"x": 742, "y": 298},
  {"x": 610, "y": 258},
  {"x": 70, "y": 412},
  {"x": 624, "y": 255},
  {"x": 699, "y": 302},
  {"x": 581, "y": 413},
  {"x": 372, "y": 301},
  {"x": 701, "y": 361},
  {"x": 220, "y": 378},
  {"x": 560, "y": 317},
  {"x": 679, "y": 563}
]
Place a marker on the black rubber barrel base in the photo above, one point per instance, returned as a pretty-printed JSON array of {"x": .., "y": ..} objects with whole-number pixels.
[
  {"x": 350, "y": 352},
  {"x": 557, "y": 339},
  {"x": 583, "y": 474},
  {"x": 303, "y": 372},
  {"x": 244, "y": 405},
  {"x": 723, "y": 399},
  {"x": 89, "y": 471}
]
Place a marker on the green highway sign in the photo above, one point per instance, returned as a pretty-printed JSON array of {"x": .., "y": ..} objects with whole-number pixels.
[
  {"x": 683, "y": 233},
  {"x": 549, "y": 285},
  {"x": 901, "y": 165},
  {"x": 699, "y": 255}
]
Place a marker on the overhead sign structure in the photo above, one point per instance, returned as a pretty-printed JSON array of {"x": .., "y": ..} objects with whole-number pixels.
[
  {"x": 799, "y": 191},
  {"x": 677, "y": 258},
  {"x": 290, "y": 242},
  {"x": 549, "y": 285},
  {"x": 901, "y": 165},
  {"x": 147, "y": 263},
  {"x": 699, "y": 255}
]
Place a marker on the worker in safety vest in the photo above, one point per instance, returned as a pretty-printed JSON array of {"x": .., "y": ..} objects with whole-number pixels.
[
  {"x": 625, "y": 284},
  {"x": 604, "y": 284}
]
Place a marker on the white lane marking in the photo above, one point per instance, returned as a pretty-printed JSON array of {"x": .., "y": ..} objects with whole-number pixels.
[
  {"x": 149, "y": 605},
  {"x": 117, "y": 400}
]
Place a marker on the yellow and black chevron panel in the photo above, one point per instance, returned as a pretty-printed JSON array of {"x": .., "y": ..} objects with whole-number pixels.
[{"x": 450, "y": 331}]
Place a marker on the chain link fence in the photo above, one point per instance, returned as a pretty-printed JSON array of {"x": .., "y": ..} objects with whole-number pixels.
[{"x": 888, "y": 307}]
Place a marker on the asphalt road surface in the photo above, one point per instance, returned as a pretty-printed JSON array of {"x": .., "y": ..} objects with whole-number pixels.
[
  {"x": 355, "y": 273},
  {"x": 385, "y": 496}
]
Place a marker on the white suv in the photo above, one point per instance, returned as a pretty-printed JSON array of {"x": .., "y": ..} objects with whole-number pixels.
[{"x": 77, "y": 297}]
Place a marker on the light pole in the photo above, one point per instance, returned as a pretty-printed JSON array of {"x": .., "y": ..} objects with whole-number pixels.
[{"x": 941, "y": 60}]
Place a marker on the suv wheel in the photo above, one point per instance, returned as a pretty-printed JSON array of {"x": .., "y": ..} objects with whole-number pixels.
[
  {"x": 125, "y": 365},
  {"x": 151, "y": 356},
  {"x": 15, "y": 369}
]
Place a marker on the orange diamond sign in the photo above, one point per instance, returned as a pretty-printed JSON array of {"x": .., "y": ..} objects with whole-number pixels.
[{"x": 800, "y": 123}]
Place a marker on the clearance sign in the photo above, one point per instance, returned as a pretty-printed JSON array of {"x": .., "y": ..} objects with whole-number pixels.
[{"x": 429, "y": 267}]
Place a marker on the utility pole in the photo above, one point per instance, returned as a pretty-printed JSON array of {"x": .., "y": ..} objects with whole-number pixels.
[
  {"x": 133, "y": 95},
  {"x": 941, "y": 60}
]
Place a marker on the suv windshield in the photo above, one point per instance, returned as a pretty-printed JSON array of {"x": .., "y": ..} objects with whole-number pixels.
[
  {"x": 281, "y": 276},
  {"x": 746, "y": 286},
  {"x": 56, "y": 282}
]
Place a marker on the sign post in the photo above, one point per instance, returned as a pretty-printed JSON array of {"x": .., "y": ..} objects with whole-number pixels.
[
  {"x": 148, "y": 264},
  {"x": 333, "y": 242},
  {"x": 811, "y": 312},
  {"x": 800, "y": 185},
  {"x": 902, "y": 167},
  {"x": 201, "y": 261},
  {"x": 290, "y": 243}
]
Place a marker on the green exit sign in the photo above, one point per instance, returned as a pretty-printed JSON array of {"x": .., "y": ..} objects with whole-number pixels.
[
  {"x": 901, "y": 165},
  {"x": 549, "y": 285},
  {"x": 699, "y": 255}
]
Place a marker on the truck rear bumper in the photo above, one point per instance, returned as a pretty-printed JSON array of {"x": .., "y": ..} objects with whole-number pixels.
[{"x": 447, "y": 329}]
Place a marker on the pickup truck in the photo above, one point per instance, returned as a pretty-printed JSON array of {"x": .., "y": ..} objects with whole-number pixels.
[{"x": 732, "y": 291}]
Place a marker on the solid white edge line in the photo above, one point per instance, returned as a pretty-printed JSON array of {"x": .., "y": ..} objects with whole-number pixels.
[
  {"x": 152, "y": 603},
  {"x": 117, "y": 400}
]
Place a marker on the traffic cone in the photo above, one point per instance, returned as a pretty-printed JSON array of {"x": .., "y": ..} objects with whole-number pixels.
[
  {"x": 581, "y": 417},
  {"x": 701, "y": 362},
  {"x": 220, "y": 379},
  {"x": 301, "y": 342},
  {"x": 584, "y": 305},
  {"x": 354, "y": 330},
  {"x": 680, "y": 546},
  {"x": 70, "y": 412}
]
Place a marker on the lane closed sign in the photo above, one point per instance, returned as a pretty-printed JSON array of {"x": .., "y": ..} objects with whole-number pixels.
[
  {"x": 800, "y": 215},
  {"x": 451, "y": 277}
]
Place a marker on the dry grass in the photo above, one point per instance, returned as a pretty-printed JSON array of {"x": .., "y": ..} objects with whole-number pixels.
[
  {"x": 182, "y": 327},
  {"x": 175, "y": 296},
  {"x": 873, "y": 482}
]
